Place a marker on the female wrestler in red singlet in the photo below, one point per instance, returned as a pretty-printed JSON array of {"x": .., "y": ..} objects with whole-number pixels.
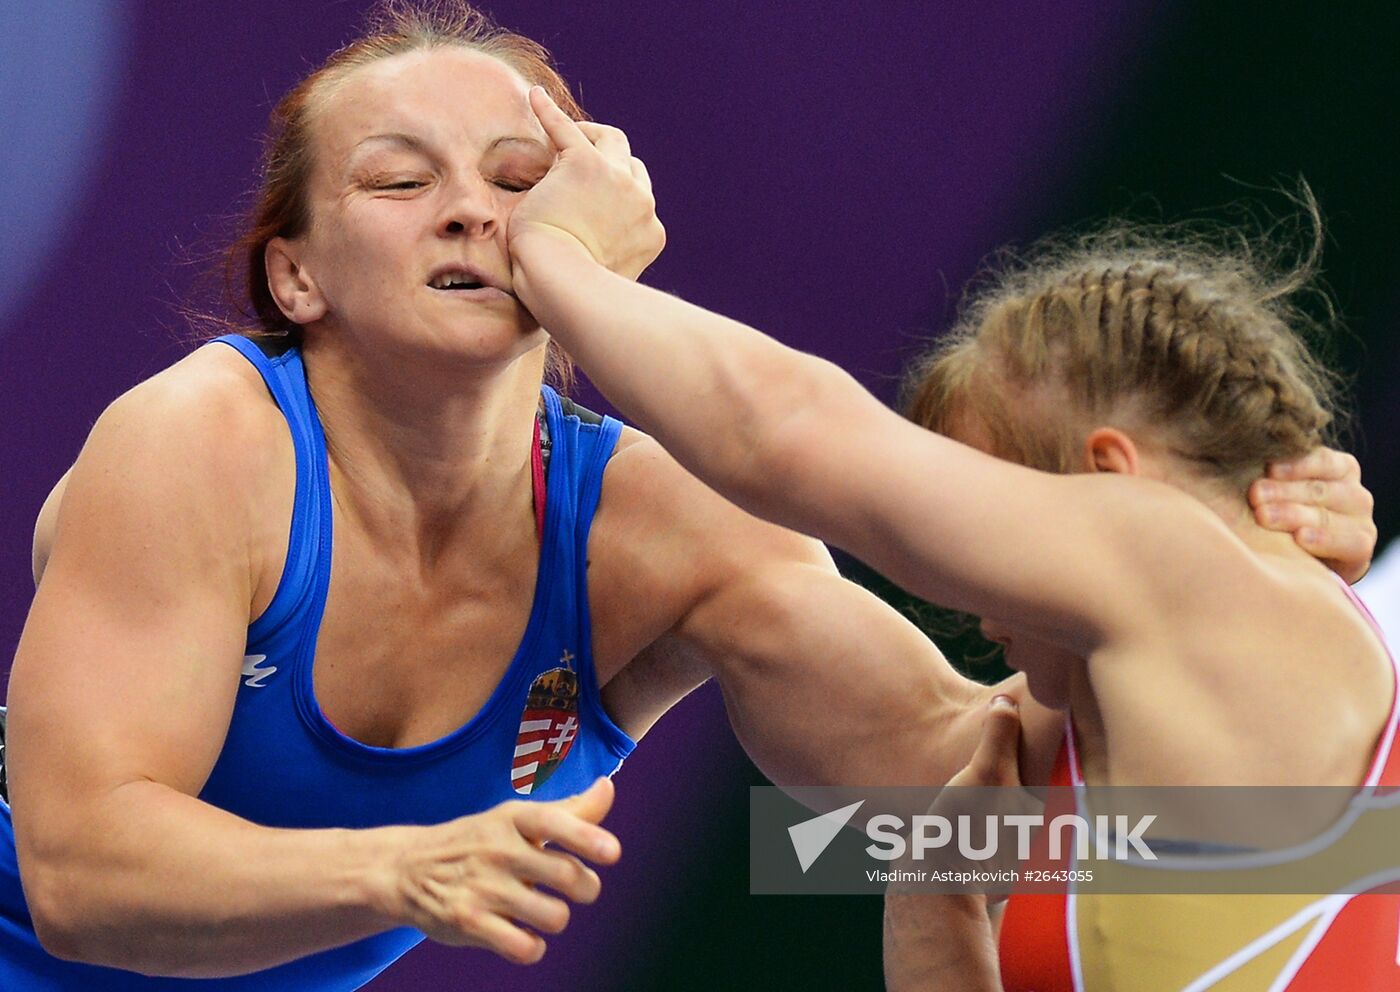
[{"x": 1097, "y": 422}]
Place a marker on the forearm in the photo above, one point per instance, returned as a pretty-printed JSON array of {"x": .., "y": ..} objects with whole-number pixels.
[
  {"x": 795, "y": 440},
  {"x": 792, "y": 640},
  {"x": 936, "y": 942},
  {"x": 645, "y": 349},
  {"x": 162, "y": 883}
]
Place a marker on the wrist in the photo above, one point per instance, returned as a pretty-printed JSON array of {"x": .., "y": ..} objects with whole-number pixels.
[
  {"x": 939, "y": 941},
  {"x": 538, "y": 245},
  {"x": 377, "y": 859},
  {"x": 916, "y": 912},
  {"x": 538, "y": 254}
]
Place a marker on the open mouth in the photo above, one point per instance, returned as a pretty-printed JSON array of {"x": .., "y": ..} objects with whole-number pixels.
[{"x": 456, "y": 281}]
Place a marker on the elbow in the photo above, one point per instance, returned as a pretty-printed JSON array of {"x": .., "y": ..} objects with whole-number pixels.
[
  {"x": 790, "y": 428},
  {"x": 70, "y": 928},
  {"x": 58, "y": 923}
]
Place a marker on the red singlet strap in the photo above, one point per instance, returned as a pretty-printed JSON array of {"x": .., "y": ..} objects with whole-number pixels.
[{"x": 537, "y": 478}]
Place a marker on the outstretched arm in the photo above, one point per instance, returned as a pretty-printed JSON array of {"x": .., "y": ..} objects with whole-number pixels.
[
  {"x": 796, "y": 440},
  {"x": 824, "y": 683}
]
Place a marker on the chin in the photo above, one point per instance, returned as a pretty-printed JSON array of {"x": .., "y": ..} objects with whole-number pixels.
[
  {"x": 487, "y": 342},
  {"x": 1049, "y": 691}
]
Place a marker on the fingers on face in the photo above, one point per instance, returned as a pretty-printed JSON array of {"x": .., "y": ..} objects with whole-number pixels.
[
  {"x": 563, "y": 131},
  {"x": 610, "y": 141}
]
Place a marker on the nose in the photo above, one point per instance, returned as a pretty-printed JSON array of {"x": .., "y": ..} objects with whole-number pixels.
[{"x": 471, "y": 211}]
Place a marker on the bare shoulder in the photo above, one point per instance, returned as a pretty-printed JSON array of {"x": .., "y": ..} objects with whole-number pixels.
[
  {"x": 665, "y": 527},
  {"x": 209, "y": 410},
  {"x": 213, "y": 391},
  {"x": 206, "y": 423},
  {"x": 1255, "y": 646},
  {"x": 658, "y": 499},
  {"x": 661, "y": 544}
]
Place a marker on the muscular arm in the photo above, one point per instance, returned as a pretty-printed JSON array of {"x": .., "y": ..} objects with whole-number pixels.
[
  {"x": 122, "y": 687},
  {"x": 825, "y": 684},
  {"x": 794, "y": 439},
  {"x": 949, "y": 942},
  {"x": 121, "y": 695}
]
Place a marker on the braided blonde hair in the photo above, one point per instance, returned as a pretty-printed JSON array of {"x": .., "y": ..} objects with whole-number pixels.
[{"x": 1162, "y": 332}]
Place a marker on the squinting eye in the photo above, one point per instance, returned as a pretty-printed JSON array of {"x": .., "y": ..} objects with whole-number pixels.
[
  {"x": 403, "y": 185},
  {"x": 512, "y": 185}
]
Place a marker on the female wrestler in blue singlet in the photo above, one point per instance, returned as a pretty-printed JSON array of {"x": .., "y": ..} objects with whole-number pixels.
[{"x": 315, "y": 619}]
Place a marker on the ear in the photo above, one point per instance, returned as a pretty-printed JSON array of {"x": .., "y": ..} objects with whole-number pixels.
[
  {"x": 1108, "y": 449},
  {"x": 292, "y": 285}
]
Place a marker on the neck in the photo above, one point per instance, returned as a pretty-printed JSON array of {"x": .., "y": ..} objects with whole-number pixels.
[
  {"x": 427, "y": 455},
  {"x": 1233, "y": 508}
]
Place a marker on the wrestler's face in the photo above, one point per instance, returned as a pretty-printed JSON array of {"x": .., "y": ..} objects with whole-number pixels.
[
  {"x": 419, "y": 160},
  {"x": 1048, "y": 668}
]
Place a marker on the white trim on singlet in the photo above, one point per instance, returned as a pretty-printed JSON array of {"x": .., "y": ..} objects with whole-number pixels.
[
  {"x": 1309, "y": 944},
  {"x": 1076, "y": 963},
  {"x": 1387, "y": 742},
  {"x": 1320, "y": 913}
]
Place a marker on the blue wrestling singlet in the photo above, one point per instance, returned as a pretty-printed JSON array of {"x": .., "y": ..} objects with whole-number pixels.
[{"x": 542, "y": 734}]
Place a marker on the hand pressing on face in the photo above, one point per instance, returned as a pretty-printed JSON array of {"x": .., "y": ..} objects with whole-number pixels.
[{"x": 597, "y": 195}]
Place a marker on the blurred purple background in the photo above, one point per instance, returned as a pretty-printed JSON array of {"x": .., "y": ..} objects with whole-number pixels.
[{"x": 830, "y": 174}]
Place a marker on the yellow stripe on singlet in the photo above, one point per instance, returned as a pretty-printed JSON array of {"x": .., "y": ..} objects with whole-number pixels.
[{"x": 1148, "y": 943}]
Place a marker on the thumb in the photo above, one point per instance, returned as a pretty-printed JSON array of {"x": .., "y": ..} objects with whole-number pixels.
[
  {"x": 593, "y": 803},
  {"x": 996, "y": 760}
]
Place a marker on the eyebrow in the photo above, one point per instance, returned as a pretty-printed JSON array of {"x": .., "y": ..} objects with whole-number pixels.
[
  {"x": 534, "y": 144},
  {"x": 410, "y": 141},
  {"x": 417, "y": 144}
]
